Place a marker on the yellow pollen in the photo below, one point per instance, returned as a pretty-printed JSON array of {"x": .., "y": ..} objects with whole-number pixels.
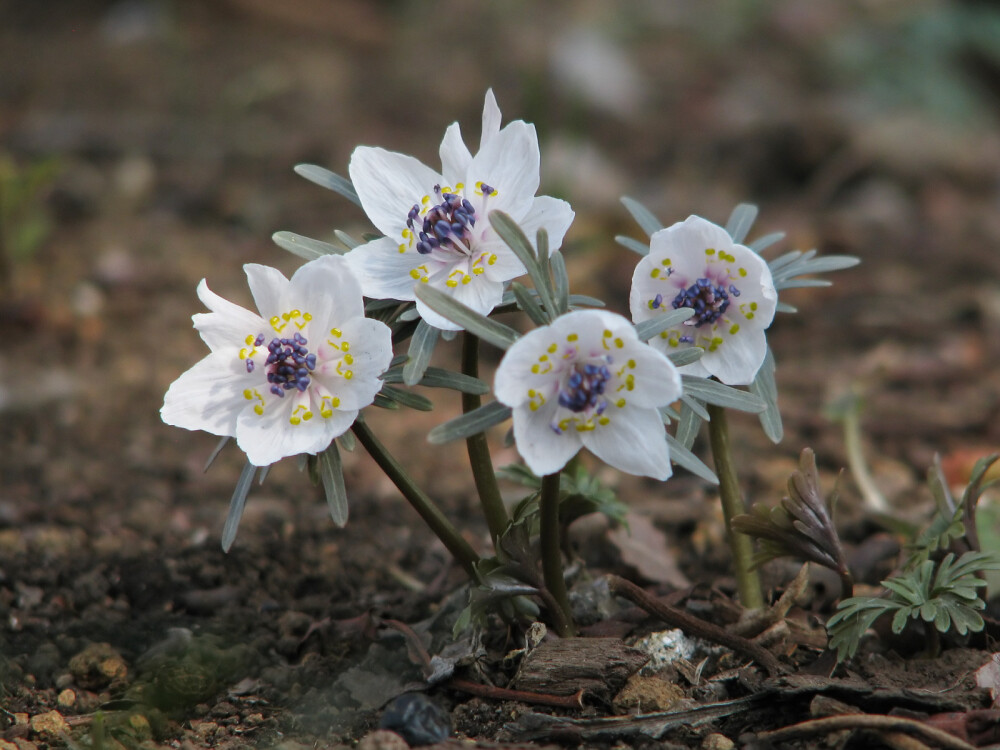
[
  {"x": 248, "y": 394},
  {"x": 709, "y": 251},
  {"x": 349, "y": 359},
  {"x": 655, "y": 273},
  {"x": 249, "y": 339},
  {"x": 552, "y": 348},
  {"x": 743, "y": 272},
  {"x": 572, "y": 337},
  {"x": 258, "y": 410},
  {"x": 620, "y": 403},
  {"x": 666, "y": 262},
  {"x": 414, "y": 273},
  {"x": 336, "y": 332},
  {"x": 619, "y": 343},
  {"x": 735, "y": 329},
  {"x": 604, "y": 421}
]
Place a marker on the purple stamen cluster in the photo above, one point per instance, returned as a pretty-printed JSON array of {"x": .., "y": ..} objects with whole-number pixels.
[
  {"x": 289, "y": 363},
  {"x": 584, "y": 388},
  {"x": 448, "y": 224},
  {"x": 709, "y": 301}
]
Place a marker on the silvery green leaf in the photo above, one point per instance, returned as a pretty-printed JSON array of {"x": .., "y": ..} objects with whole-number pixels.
[
  {"x": 542, "y": 253},
  {"x": 518, "y": 242},
  {"x": 639, "y": 248},
  {"x": 420, "y": 351},
  {"x": 236, "y": 505},
  {"x": 764, "y": 386},
  {"x": 330, "y": 180},
  {"x": 384, "y": 402},
  {"x": 407, "y": 398},
  {"x": 373, "y": 305},
  {"x": 645, "y": 218},
  {"x": 583, "y": 300},
  {"x": 262, "y": 473},
  {"x": 686, "y": 459},
  {"x": 719, "y": 394},
  {"x": 740, "y": 221},
  {"x": 799, "y": 283},
  {"x": 304, "y": 247},
  {"x": 331, "y": 471},
  {"x": 526, "y": 301},
  {"x": 435, "y": 377},
  {"x": 762, "y": 243},
  {"x": 785, "y": 308},
  {"x": 688, "y": 426},
  {"x": 490, "y": 331},
  {"x": 216, "y": 451},
  {"x": 782, "y": 261},
  {"x": 647, "y": 329},
  {"x": 407, "y": 315},
  {"x": 560, "y": 279},
  {"x": 470, "y": 423},
  {"x": 686, "y": 356},
  {"x": 668, "y": 413},
  {"x": 347, "y": 441},
  {"x": 349, "y": 242},
  {"x": 696, "y": 406}
]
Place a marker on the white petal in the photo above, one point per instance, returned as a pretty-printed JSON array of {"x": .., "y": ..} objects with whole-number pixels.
[
  {"x": 481, "y": 294},
  {"x": 552, "y": 215},
  {"x": 685, "y": 243},
  {"x": 509, "y": 163},
  {"x": 491, "y": 119},
  {"x": 207, "y": 397},
  {"x": 389, "y": 184},
  {"x": 228, "y": 324},
  {"x": 544, "y": 451},
  {"x": 657, "y": 381},
  {"x": 633, "y": 441},
  {"x": 269, "y": 288},
  {"x": 738, "y": 358},
  {"x": 383, "y": 271},
  {"x": 455, "y": 156},
  {"x": 269, "y": 437},
  {"x": 328, "y": 289},
  {"x": 522, "y": 368}
]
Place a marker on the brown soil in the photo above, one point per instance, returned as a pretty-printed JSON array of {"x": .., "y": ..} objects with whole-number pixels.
[{"x": 174, "y": 127}]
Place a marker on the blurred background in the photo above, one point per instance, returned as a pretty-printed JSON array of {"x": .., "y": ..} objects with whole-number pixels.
[{"x": 146, "y": 144}]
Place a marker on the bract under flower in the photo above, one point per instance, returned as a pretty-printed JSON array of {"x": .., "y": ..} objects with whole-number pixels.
[
  {"x": 587, "y": 381},
  {"x": 696, "y": 264},
  {"x": 288, "y": 380},
  {"x": 436, "y": 225}
]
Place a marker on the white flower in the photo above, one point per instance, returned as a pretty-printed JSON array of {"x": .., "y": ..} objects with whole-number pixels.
[
  {"x": 587, "y": 381},
  {"x": 288, "y": 380},
  {"x": 436, "y": 225},
  {"x": 696, "y": 264}
]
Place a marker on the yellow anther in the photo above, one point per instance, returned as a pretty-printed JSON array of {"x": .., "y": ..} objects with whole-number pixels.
[
  {"x": 743, "y": 272},
  {"x": 336, "y": 332},
  {"x": 553, "y": 347},
  {"x": 655, "y": 273},
  {"x": 478, "y": 271},
  {"x": 349, "y": 359},
  {"x": 414, "y": 273},
  {"x": 345, "y": 347},
  {"x": 425, "y": 200},
  {"x": 604, "y": 421},
  {"x": 451, "y": 283},
  {"x": 734, "y": 329},
  {"x": 258, "y": 410},
  {"x": 243, "y": 353},
  {"x": 248, "y": 394},
  {"x": 619, "y": 343},
  {"x": 249, "y": 339},
  {"x": 630, "y": 364},
  {"x": 709, "y": 251},
  {"x": 492, "y": 259},
  {"x": 620, "y": 403},
  {"x": 666, "y": 262},
  {"x": 572, "y": 337}
]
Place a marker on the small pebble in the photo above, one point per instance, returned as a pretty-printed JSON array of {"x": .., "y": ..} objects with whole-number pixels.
[
  {"x": 717, "y": 741},
  {"x": 382, "y": 739},
  {"x": 66, "y": 699},
  {"x": 417, "y": 719},
  {"x": 50, "y": 725}
]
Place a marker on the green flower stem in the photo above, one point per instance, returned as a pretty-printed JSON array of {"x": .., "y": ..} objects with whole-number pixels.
[
  {"x": 552, "y": 568},
  {"x": 460, "y": 549},
  {"x": 741, "y": 546},
  {"x": 479, "y": 451}
]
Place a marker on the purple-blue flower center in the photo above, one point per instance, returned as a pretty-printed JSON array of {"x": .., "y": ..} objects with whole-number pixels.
[
  {"x": 447, "y": 224},
  {"x": 709, "y": 301},
  {"x": 288, "y": 363},
  {"x": 584, "y": 388}
]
